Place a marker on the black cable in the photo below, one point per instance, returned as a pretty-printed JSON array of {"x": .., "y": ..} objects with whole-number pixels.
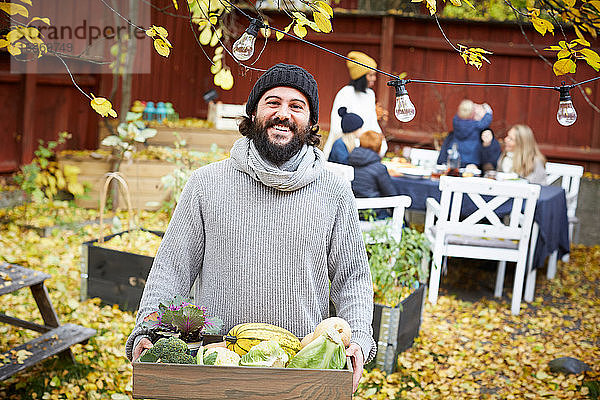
[
  {"x": 411, "y": 80},
  {"x": 482, "y": 84}
]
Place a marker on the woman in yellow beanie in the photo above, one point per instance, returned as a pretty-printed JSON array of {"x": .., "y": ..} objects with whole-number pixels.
[{"x": 358, "y": 97}]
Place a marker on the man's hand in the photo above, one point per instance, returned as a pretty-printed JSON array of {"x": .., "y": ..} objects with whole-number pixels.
[
  {"x": 142, "y": 345},
  {"x": 355, "y": 353}
]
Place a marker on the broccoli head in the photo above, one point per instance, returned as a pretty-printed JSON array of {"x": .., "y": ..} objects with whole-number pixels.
[
  {"x": 165, "y": 348},
  {"x": 179, "y": 358}
]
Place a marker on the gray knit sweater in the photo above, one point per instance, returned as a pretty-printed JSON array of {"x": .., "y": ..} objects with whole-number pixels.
[{"x": 265, "y": 245}]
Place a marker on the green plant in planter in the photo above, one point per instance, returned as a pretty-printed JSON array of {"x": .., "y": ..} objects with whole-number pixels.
[
  {"x": 43, "y": 178},
  {"x": 128, "y": 133},
  {"x": 397, "y": 268},
  {"x": 178, "y": 317}
]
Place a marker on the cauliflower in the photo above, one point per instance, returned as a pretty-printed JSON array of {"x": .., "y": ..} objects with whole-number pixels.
[{"x": 217, "y": 356}]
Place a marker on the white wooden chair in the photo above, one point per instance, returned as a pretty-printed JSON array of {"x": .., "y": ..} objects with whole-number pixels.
[
  {"x": 398, "y": 203},
  {"x": 454, "y": 235},
  {"x": 345, "y": 171},
  {"x": 423, "y": 157},
  {"x": 570, "y": 176}
]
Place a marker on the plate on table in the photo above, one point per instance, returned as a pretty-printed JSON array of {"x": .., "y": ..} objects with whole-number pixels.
[
  {"x": 509, "y": 176},
  {"x": 411, "y": 172}
]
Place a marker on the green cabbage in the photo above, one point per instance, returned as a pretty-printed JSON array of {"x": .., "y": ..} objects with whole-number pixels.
[
  {"x": 267, "y": 353},
  {"x": 325, "y": 352}
]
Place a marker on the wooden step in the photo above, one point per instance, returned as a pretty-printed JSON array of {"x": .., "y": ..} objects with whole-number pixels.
[
  {"x": 50, "y": 343},
  {"x": 14, "y": 277}
]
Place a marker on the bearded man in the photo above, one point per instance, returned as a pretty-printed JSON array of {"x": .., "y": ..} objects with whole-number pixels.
[{"x": 270, "y": 234}]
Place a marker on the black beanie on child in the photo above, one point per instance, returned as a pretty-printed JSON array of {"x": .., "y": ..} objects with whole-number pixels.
[
  {"x": 286, "y": 75},
  {"x": 350, "y": 121}
]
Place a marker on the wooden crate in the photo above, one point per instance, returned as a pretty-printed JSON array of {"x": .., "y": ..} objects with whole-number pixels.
[
  {"x": 225, "y": 116},
  {"x": 200, "y": 139},
  {"x": 177, "y": 381},
  {"x": 143, "y": 178}
]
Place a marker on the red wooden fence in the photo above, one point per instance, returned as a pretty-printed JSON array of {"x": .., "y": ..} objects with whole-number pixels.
[{"x": 43, "y": 105}]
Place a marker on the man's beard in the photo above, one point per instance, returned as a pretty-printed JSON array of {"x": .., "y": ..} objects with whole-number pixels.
[{"x": 275, "y": 153}]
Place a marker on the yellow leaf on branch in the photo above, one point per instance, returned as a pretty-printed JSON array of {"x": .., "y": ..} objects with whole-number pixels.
[
  {"x": 280, "y": 35},
  {"x": 15, "y": 49},
  {"x": 14, "y": 9},
  {"x": 323, "y": 23},
  {"x": 541, "y": 25},
  {"x": 325, "y": 7},
  {"x": 175, "y": 4},
  {"x": 300, "y": 30},
  {"x": 44, "y": 20},
  {"x": 564, "y": 53},
  {"x": 102, "y": 106},
  {"x": 161, "y": 47},
  {"x": 591, "y": 57},
  {"x": 564, "y": 66}
]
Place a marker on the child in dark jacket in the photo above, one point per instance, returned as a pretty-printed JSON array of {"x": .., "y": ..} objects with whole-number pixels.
[
  {"x": 468, "y": 123},
  {"x": 351, "y": 127},
  {"x": 371, "y": 177}
]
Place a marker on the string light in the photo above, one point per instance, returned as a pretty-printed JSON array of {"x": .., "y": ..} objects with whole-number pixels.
[
  {"x": 243, "y": 48},
  {"x": 566, "y": 114},
  {"x": 405, "y": 110}
]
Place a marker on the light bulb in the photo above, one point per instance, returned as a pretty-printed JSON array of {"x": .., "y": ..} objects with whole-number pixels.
[
  {"x": 243, "y": 48},
  {"x": 566, "y": 114},
  {"x": 405, "y": 110}
]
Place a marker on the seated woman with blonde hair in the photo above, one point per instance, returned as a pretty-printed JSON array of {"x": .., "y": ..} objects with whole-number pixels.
[{"x": 522, "y": 155}]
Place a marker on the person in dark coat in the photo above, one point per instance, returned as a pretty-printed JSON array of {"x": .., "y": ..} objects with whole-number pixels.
[
  {"x": 351, "y": 127},
  {"x": 489, "y": 153},
  {"x": 371, "y": 177},
  {"x": 467, "y": 125}
]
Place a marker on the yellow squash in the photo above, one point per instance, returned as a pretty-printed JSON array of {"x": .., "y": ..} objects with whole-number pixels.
[{"x": 242, "y": 337}]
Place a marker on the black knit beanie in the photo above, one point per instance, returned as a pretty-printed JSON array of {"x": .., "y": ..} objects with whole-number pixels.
[
  {"x": 288, "y": 76},
  {"x": 350, "y": 121}
]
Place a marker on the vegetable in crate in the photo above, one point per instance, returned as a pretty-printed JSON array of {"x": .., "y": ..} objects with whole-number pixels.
[
  {"x": 242, "y": 337},
  {"x": 337, "y": 323},
  {"x": 182, "y": 318},
  {"x": 168, "y": 350},
  {"x": 217, "y": 356},
  {"x": 325, "y": 352},
  {"x": 265, "y": 354}
]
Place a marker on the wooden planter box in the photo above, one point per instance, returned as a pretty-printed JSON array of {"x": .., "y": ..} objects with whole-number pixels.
[
  {"x": 143, "y": 178},
  {"x": 117, "y": 277},
  {"x": 176, "y": 381},
  {"x": 395, "y": 329},
  {"x": 200, "y": 139}
]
